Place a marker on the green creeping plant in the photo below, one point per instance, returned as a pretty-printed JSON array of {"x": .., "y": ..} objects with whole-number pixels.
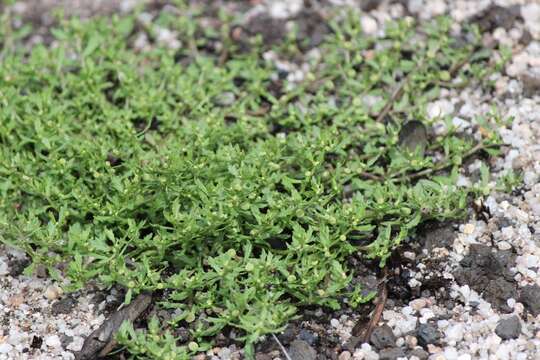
[{"x": 132, "y": 169}]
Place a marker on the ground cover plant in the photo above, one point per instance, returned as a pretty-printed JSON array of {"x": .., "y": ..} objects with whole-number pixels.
[{"x": 202, "y": 176}]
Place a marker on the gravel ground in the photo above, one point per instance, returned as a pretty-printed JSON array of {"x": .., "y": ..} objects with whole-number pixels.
[{"x": 471, "y": 290}]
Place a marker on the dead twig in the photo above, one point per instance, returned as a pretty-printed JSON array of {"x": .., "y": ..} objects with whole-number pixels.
[
  {"x": 445, "y": 163},
  {"x": 101, "y": 341},
  {"x": 399, "y": 90},
  {"x": 363, "y": 329},
  {"x": 382, "y": 296},
  {"x": 396, "y": 94},
  {"x": 282, "y": 347},
  {"x": 370, "y": 176},
  {"x": 223, "y": 57}
]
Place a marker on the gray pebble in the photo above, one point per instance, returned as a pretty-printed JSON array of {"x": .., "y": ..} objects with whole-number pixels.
[
  {"x": 508, "y": 328},
  {"x": 301, "y": 350},
  {"x": 63, "y": 306},
  {"x": 17, "y": 266},
  {"x": 530, "y": 297},
  {"x": 391, "y": 354},
  {"x": 383, "y": 337},
  {"x": 307, "y": 336},
  {"x": 66, "y": 340},
  {"x": 427, "y": 334},
  {"x": 419, "y": 353},
  {"x": 531, "y": 83}
]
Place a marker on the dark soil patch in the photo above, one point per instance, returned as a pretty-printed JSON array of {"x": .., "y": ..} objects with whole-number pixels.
[{"x": 488, "y": 273}]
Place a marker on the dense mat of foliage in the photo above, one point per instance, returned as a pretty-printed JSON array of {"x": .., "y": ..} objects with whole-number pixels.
[{"x": 207, "y": 178}]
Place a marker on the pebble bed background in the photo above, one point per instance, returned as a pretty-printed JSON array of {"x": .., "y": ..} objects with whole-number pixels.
[{"x": 498, "y": 257}]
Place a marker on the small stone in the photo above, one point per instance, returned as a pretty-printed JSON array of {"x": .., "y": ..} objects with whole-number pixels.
[
  {"x": 289, "y": 334},
  {"x": 427, "y": 334},
  {"x": 5, "y": 348},
  {"x": 383, "y": 337},
  {"x": 495, "y": 16},
  {"x": 468, "y": 229},
  {"x": 40, "y": 271},
  {"x": 65, "y": 340},
  {"x": 17, "y": 266},
  {"x": 531, "y": 83},
  {"x": 530, "y": 297},
  {"x": 531, "y": 16},
  {"x": 301, "y": 350},
  {"x": 369, "y": 5},
  {"x": 4, "y": 268},
  {"x": 454, "y": 333},
  {"x": 438, "y": 356},
  {"x": 418, "y": 304},
  {"x": 409, "y": 255},
  {"x": 63, "y": 306},
  {"x": 168, "y": 38},
  {"x": 53, "y": 292},
  {"x": 346, "y": 355},
  {"x": 365, "y": 352},
  {"x": 411, "y": 341},
  {"x": 433, "y": 349},
  {"x": 460, "y": 124},
  {"x": 76, "y": 344},
  {"x": 282, "y": 9},
  {"x": 53, "y": 341},
  {"x": 15, "y": 300},
  {"x": 225, "y": 99},
  {"x": 439, "y": 108},
  {"x": 369, "y": 25},
  {"x": 534, "y": 205},
  {"x": 334, "y": 323},
  {"x": 224, "y": 353},
  {"x": 421, "y": 354},
  {"x": 508, "y": 328},
  {"x": 307, "y": 336},
  {"x": 391, "y": 354}
]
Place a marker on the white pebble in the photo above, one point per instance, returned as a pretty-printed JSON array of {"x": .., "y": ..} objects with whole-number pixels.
[
  {"x": 409, "y": 255},
  {"x": 450, "y": 353},
  {"x": 439, "y": 108},
  {"x": 468, "y": 229},
  {"x": 534, "y": 205},
  {"x": 369, "y": 25},
  {"x": 460, "y": 124},
  {"x": 53, "y": 292},
  {"x": 284, "y": 9},
  {"x": 454, "y": 333},
  {"x": 5, "y": 348},
  {"x": 365, "y": 353},
  {"x": 53, "y": 341},
  {"x": 411, "y": 341},
  {"x": 418, "y": 304},
  {"x": 531, "y": 15}
]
